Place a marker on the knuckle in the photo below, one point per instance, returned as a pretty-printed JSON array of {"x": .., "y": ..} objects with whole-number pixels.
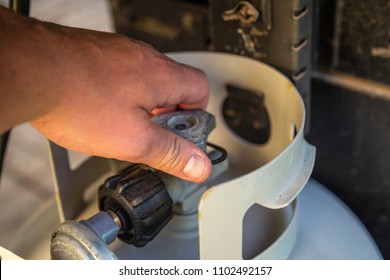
[{"x": 172, "y": 80}]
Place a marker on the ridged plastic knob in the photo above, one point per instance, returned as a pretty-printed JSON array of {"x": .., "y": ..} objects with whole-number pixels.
[{"x": 140, "y": 200}]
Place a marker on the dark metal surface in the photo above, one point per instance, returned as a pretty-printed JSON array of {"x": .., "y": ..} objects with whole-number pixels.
[
  {"x": 167, "y": 25},
  {"x": 355, "y": 37},
  {"x": 20, "y": 6},
  {"x": 277, "y": 32},
  {"x": 351, "y": 108},
  {"x": 351, "y": 131},
  {"x": 285, "y": 43},
  {"x": 281, "y": 37},
  {"x": 3, "y": 148},
  {"x": 245, "y": 114}
]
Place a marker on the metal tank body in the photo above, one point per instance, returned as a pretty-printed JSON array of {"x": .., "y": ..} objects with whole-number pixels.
[{"x": 265, "y": 206}]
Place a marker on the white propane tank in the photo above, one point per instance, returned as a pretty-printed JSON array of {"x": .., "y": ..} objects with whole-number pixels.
[{"x": 265, "y": 206}]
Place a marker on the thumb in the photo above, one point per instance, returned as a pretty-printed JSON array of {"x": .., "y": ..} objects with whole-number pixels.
[{"x": 172, "y": 154}]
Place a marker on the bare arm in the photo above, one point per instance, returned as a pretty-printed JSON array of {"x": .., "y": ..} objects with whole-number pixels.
[{"x": 93, "y": 92}]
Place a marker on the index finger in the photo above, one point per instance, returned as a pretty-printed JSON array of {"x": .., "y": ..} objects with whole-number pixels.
[
  {"x": 181, "y": 85},
  {"x": 195, "y": 91}
]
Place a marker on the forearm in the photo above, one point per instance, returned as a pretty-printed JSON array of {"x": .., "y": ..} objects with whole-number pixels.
[{"x": 27, "y": 88}]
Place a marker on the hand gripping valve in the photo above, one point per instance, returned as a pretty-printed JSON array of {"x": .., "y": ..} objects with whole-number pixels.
[{"x": 139, "y": 201}]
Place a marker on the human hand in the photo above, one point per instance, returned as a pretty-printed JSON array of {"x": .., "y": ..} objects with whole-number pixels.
[{"x": 99, "y": 91}]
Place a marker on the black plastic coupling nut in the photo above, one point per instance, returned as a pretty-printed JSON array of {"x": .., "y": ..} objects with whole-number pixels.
[{"x": 139, "y": 198}]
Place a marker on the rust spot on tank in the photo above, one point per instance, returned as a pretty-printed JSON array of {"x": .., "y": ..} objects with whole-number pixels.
[{"x": 206, "y": 193}]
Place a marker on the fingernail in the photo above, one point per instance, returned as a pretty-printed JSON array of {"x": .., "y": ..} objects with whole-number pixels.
[{"x": 194, "y": 167}]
